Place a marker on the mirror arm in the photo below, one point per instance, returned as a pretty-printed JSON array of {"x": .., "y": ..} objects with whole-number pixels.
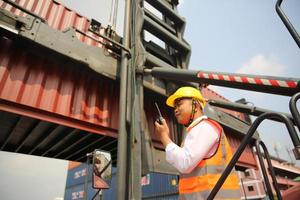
[{"x": 93, "y": 198}]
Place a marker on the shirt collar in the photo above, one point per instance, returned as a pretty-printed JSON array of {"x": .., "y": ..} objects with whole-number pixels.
[{"x": 196, "y": 121}]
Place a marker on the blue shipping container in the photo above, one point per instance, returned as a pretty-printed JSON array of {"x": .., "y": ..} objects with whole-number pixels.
[
  {"x": 77, "y": 192},
  {"x": 158, "y": 186},
  {"x": 111, "y": 193},
  {"x": 163, "y": 197},
  {"x": 77, "y": 175}
]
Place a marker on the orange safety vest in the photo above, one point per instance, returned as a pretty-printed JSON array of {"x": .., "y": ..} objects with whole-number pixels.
[{"x": 199, "y": 183}]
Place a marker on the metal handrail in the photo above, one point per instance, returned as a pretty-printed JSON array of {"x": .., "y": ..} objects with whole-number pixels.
[
  {"x": 287, "y": 23},
  {"x": 247, "y": 139},
  {"x": 264, "y": 171},
  {"x": 294, "y": 110},
  {"x": 295, "y": 113}
]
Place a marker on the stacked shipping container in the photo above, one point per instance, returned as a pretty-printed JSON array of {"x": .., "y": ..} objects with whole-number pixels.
[
  {"x": 154, "y": 185},
  {"x": 79, "y": 180}
]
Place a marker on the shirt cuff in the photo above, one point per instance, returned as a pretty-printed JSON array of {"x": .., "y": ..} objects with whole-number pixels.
[{"x": 170, "y": 147}]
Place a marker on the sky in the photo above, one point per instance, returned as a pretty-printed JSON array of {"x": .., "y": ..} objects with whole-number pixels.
[
  {"x": 246, "y": 37},
  {"x": 233, "y": 36},
  {"x": 31, "y": 177}
]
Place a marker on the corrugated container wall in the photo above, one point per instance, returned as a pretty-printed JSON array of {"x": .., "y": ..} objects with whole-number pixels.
[
  {"x": 54, "y": 86},
  {"x": 161, "y": 186},
  {"x": 57, "y": 90},
  {"x": 155, "y": 186},
  {"x": 58, "y": 17},
  {"x": 76, "y": 179},
  {"x": 78, "y": 175},
  {"x": 158, "y": 186},
  {"x": 77, "y": 192}
]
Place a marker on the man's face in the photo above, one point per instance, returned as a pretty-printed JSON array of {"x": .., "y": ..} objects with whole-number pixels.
[{"x": 183, "y": 110}]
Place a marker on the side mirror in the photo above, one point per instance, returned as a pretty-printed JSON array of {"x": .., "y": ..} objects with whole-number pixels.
[{"x": 102, "y": 172}]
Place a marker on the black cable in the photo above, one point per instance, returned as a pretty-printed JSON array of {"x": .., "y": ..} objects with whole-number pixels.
[{"x": 96, "y": 194}]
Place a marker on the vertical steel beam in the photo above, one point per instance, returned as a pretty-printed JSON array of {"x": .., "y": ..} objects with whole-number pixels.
[
  {"x": 136, "y": 96},
  {"x": 122, "y": 133},
  {"x": 135, "y": 142}
]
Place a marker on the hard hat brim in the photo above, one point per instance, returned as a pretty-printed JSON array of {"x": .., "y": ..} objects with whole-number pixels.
[
  {"x": 171, "y": 99},
  {"x": 185, "y": 92}
]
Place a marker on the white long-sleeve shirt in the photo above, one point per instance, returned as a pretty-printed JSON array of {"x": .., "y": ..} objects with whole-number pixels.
[{"x": 200, "y": 142}]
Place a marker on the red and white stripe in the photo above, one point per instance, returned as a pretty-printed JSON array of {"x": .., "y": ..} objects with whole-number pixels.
[{"x": 249, "y": 80}]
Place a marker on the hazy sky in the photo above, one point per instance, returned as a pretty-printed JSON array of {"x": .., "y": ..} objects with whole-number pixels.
[
  {"x": 31, "y": 177},
  {"x": 246, "y": 37}
]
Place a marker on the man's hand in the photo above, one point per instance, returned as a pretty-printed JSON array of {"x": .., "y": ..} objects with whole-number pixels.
[{"x": 162, "y": 131}]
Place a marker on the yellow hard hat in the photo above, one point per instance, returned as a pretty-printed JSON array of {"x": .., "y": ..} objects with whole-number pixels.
[{"x": 185, "y": 92}]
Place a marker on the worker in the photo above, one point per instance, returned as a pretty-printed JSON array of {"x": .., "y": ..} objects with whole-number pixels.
[{"x": 204, "y": 152}]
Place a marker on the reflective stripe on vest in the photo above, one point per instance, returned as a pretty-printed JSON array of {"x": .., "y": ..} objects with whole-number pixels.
[{"x": 199, "y": 183}]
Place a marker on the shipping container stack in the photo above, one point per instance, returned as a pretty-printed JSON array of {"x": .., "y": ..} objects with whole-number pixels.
[
  {"x": 154, "y": 185},
  {"x": 160, "y": 186},
  {"x": 76, "y": 180}
]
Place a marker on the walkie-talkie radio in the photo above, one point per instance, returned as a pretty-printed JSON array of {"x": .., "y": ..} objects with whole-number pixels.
[{"x": 159, "y": 118}]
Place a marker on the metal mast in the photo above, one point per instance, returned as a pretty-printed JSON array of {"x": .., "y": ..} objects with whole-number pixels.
[{"x": 145, "y": 54}]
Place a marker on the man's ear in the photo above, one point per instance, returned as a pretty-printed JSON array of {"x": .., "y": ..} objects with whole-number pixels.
[{"x": 198, "y": 107}]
